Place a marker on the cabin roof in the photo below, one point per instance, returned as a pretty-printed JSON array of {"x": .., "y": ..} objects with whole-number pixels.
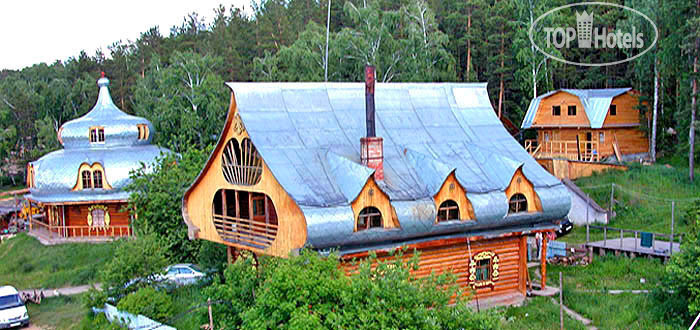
[
  {"x": 595, "y": 102},
  {"x": 309, "y": 136},
  {"x": 56, "y": 173}
]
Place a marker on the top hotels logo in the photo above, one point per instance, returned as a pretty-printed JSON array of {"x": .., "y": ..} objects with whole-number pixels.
[{"x": 588, "y": 37}]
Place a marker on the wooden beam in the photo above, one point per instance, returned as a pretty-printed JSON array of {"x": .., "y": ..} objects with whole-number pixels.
[{"x": 543, "y": 262}]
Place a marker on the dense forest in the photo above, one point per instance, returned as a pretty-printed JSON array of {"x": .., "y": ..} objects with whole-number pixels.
[{"x": 176, "y": 81}]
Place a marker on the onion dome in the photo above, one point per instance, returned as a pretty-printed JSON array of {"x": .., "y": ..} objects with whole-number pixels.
[
  {"x": 105, "y": 125},
  {"x": 105, "y": 140}
]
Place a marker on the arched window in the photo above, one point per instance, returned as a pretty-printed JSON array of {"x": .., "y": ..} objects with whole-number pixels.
[
  {"x": 517, "y": 204},
  {"x": 369, "y": 217},
  {"x": 241, "y": 164},
  {"x": 97, "y": 179},
  {"x": 448, "y": 210},
  {"x": 87, "y": 180},
  {"x": 143, "y": 131}
]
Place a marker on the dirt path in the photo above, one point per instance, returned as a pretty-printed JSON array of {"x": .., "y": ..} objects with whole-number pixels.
[{"x": 66, "y": 291}]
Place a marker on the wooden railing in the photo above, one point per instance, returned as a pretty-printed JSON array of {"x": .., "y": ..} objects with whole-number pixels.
[
  {"x": 246, "y": 231},
  {"x": 83, "y": 231},
  {"x": 572, "y": 150}
]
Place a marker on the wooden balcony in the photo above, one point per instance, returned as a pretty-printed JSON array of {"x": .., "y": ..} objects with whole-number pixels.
[
  {"x": 249, "y": 232},
  {"x": 586, "y": 151},
  {"x": 50, "y": 235}
]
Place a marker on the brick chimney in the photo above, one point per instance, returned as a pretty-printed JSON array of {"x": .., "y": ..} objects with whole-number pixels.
[{"x": 372, "y": 147}]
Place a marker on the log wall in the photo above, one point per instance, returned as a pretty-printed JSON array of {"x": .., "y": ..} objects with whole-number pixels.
[{"x": 453, "y": 255}]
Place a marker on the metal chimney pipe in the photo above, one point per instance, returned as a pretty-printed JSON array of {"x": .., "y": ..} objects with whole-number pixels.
[{"x": 370, "y": 74}]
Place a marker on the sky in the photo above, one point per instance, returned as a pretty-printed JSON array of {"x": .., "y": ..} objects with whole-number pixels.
[{"x": 34, "y": 31}]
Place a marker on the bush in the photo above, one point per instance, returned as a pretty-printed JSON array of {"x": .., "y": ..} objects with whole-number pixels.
[
  {"x": 149, "y": 302},
  {"x": 678, "y": 298},
  {"x": 309, "y": 291},
  {"x": 136, "y": 262},
  {"x": 94, "y": 298}
]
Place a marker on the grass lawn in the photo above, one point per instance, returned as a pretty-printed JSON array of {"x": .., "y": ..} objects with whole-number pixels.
[
  {"x": 642, "y": 195},
  {"x": 64, "y": 312},
  {"x": 26, "y": 263},
  {"x": 9, "y": 188},
  {"x": 623, "y": 311},
  {"x": 538, "y": 313}
]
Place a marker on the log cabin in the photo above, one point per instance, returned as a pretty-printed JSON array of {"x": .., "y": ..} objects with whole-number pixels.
[
  {"x": 80, "y": 188},
  {"x": 427, "y": 166},
  {"x": 585, "y": 124}
]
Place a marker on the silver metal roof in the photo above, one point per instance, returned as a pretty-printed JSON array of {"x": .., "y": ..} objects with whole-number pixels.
[
  {"x": 56, "y": 173},
  {"x": 595, "y": 102},
  {"x": 120, "y": 129},
  {"x": 309, "y": 136}
]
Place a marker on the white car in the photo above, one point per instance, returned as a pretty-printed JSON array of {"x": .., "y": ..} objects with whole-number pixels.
[
  {"x": 183, "y": 274},
  {"x": 13, "y": 313}
]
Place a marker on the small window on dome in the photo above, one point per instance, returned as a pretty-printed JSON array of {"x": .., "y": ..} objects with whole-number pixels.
[
  {"x": 97, "y": 134},
  {"x": 97, "y": 179},
  {"x": 87, "y": 180},
  {"x": 143, "y": 131}
]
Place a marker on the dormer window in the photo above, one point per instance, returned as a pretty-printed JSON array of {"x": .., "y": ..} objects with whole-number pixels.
[
  {"x": 97, "y": 179},
  {"x": 87, "y": 181},
  {"x": 143, "y": 131},
  {"x": 97, "y": 134},
  {"x": 448, "y": 211},
  {"x": 517, "y": 204},
  {"x": 369, "y": 217},
  {"x": 92, "y": 177}
]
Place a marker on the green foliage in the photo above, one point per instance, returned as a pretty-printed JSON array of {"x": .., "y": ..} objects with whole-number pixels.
[
  {"x": 156, "y": 197},
  {"x": 679, "y": 297},
  {"x": 309, "y": 291},
  {"x": 94, "y": 298},
  {"x": 135, "y": 262},
  {"x": 186, "y": 101},
  {"x": 212, "y": 256},
  {"x": 27, "y": 264},
  {"x": 154, "y": 304}
]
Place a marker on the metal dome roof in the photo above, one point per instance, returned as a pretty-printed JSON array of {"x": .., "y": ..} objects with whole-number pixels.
[
  {"x": 56, "y": 173},
  {"x": 120, "y": 129}
]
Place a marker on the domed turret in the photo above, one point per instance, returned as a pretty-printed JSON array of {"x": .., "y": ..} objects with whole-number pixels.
[{"x": 105, "y": 126}]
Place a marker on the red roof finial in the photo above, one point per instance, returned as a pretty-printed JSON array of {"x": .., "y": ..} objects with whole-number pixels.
[{"x": 102, "y": 74}]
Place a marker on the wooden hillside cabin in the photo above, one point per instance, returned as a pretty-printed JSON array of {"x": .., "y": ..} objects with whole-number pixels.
[
  {"x": 586, "y": 124},
  {"x": 339, "y": 171},
  {"x": 80, "y": 188}
]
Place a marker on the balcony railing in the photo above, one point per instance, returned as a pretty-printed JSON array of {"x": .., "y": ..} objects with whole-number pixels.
[
  {"x": 81, "y": 231},
  {"x": 584, "y": 150},
  {"x": 246, "y": 231}
]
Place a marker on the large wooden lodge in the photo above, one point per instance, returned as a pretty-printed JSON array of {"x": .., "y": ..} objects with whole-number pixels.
[
  {"x": 299, "y": 165},
  {"x": 80, "y": 188},
  {"x": 585, "y": 124}
]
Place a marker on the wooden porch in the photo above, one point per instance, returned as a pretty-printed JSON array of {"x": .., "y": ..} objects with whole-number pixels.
[
  {"x": 586, "y": 151},
  {"x": 56, "y": 234}
]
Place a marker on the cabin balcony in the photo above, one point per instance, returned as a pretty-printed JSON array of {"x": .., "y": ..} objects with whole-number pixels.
[
  {"x": 586, "y": 151},
  {"x": 50, "y": 234}
]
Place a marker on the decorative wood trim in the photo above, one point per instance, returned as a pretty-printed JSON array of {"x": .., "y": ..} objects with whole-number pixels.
[
  {"x": 91, "y": 168},
  {"x": 494, "y": 265}
]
